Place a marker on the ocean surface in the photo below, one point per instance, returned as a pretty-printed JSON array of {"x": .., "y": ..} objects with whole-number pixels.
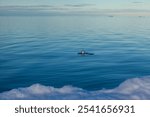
[{"x": 42, "y": 51}]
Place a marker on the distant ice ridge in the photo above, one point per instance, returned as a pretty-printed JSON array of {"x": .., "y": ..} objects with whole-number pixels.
[{"x": 136, "y": 88}]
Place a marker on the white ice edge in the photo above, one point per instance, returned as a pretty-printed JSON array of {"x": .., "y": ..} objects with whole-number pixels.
[{"x": 134, "y": 89}]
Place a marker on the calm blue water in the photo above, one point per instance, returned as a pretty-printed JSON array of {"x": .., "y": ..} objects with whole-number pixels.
[{"x": 44, "y": 50}]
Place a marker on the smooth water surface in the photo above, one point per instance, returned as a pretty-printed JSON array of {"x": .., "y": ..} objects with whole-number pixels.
[{"x": 44, "y": 50}]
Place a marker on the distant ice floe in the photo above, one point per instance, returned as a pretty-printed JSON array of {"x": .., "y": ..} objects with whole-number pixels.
[{"x": 136, "y": 88}]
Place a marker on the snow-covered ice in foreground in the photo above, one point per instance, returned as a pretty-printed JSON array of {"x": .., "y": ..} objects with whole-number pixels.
[{"x": 136, "y": 88}]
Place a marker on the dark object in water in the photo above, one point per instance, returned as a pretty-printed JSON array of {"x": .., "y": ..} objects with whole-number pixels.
[
  {"x": 110, "y": 16},
  {"x": 85, "y": 53}
]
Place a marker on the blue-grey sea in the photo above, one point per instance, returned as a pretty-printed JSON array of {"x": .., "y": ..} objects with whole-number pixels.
[{"x": 44, "y": 50}]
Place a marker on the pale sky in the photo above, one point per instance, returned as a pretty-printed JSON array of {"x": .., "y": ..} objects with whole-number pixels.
[{"x": 75, "y": 6}]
